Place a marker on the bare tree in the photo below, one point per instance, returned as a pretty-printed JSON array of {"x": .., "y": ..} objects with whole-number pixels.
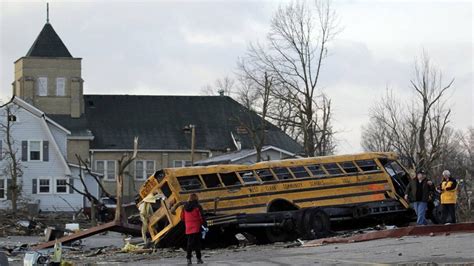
[
  {"x": 416, "y": 130},
  {"x": 123, "y": 162},
  {"x": 9, "y": 152},
  {"x": 254, "y": 94},
  {"x": 296, "y": 48},
  {"x": 429, "y": 88},
  {"x": 94, "y": 201},
  {"x": 222, "y": 86}
]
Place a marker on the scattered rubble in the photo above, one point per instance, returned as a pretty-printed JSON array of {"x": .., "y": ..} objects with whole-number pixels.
[
  {"x": 26, "y": 225},
  {"x": 51, "y": 226},
  {"x": 428, "y": 230}
]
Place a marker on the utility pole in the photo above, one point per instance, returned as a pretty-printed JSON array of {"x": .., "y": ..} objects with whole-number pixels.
[
  {"x": 193, "y": 139},
  {"x": 191, "y": 128}
]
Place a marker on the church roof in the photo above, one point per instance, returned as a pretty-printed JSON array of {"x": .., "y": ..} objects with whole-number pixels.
[
  {"x": 48, "y": 44},
  {"x": 158, "y": 121}
]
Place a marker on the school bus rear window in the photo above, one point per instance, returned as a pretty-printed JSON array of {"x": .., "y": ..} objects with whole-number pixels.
[
  {"x": 161, "y": 224},
  {"x": 166, "y": 189}
]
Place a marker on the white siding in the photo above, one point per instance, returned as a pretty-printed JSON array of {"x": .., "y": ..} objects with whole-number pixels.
[
  {"x": 33, "y": 127},
  {"x": 61, "y": 138}
]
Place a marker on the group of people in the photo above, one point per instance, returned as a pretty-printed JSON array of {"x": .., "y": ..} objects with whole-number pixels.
[{"x": 420, "y": 192}]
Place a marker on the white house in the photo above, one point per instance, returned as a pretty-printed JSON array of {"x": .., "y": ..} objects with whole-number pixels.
[{"x": 41, "y": 144}]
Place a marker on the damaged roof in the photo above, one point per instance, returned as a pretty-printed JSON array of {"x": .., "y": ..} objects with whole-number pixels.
[
  {"x": 231, "y": 157},
  {"x": 159, "y": 122}
]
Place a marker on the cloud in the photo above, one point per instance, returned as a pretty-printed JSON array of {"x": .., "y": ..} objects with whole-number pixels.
[{"x": 169, "y": 47}]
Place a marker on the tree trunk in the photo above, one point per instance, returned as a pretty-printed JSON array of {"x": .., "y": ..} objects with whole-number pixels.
[
  {"x": 14, "y": 201},
  {"x": 93, "y": 213},
  {"x": 118, "y": 209},
  {"x": 258, "y": 150}
]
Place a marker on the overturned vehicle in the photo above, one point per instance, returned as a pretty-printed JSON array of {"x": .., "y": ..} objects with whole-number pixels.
[{"x": 279, "y": 200}]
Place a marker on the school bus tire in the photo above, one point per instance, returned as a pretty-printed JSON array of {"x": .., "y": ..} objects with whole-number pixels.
[
  {"x": 316, "y": 223},
  {"x": 276, "y": 234}
]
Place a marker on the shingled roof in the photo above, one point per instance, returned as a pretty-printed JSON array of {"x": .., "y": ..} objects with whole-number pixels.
[
  {"x": 48, "y": 44},
  {"x": 159, "y": 121}
]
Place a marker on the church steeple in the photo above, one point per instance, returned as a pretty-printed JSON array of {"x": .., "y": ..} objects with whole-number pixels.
[
  {"x": 49, "y": 77},
  {"x": 48, "y": 44}
]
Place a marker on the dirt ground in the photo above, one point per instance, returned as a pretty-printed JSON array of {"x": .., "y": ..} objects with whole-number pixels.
[{"x": 457, "y": 249}]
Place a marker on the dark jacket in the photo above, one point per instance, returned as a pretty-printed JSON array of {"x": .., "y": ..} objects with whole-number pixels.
[
  {"x": 426, "y": 190},
  {"x": 192, "y": 217}
]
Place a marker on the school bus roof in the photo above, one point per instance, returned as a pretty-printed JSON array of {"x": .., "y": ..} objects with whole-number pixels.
[{"x": 278, "y": 163}]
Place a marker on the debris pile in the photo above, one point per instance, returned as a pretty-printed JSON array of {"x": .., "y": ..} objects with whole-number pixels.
[{"x": 23, "y": 224}]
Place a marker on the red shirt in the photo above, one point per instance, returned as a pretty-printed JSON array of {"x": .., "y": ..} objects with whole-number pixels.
[{"x": 192, "y": 220}]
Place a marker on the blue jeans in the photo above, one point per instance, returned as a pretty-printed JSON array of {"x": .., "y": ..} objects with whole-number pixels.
[{"x": 420, "y": 209}]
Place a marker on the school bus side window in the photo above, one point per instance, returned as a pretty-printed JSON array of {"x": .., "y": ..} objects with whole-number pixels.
[
  {"x": 211, "y": 180},
  {"x": 230, "y": 179},
  {"x": 316, "y": 170},
  {"x": 248, "y": 177},
  {"x": 299, "y": 172},
  {"x": 332, "y": 168},
  {"x": 282, "y": 173},
  {"x": 367, "y": 165},
  {"x": 265, "y": 174},
  {"x": 349, "y": 167},
  {"x": 190, "y": 182}
]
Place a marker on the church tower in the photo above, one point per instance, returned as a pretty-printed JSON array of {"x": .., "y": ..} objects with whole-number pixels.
[{"x": 49, "y": 77}]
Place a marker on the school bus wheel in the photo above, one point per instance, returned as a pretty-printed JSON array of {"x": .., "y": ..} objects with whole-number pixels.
[
  {"x": 316, "y": 223},
  {"x": 276, "y": 234}
]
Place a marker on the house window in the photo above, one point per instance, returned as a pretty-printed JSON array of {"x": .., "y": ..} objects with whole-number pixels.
[
  {"x": 42, "y": 86},
  {"x": 34, "y": 150},
  {"x": 181, "y": 163},
  {"x": 3, "y": 188},
  {"x": 144, "y": 169},
  {"x": 62, "y": 186},
  {"x": 107, "y": 168},
  {"x": 60, "y": 86},
  {"x": 139, "y": 170},
  {"x": 150, "y": 168},
  {"x": 44, "y": 186}
]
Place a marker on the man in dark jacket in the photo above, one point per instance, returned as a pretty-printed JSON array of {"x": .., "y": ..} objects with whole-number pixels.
[
  {"x": 420, "y": 190},
  {"x": 193, "y": 220}
]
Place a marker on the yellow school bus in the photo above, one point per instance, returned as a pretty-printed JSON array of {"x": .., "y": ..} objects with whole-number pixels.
[{"x": 279, "y": 199}]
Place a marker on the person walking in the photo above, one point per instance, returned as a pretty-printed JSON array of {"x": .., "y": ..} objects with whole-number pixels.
[
  {"x": 193, "y": 219},
  {"x": 448, "y": 189},
  {"x": 420, "y": 191}
]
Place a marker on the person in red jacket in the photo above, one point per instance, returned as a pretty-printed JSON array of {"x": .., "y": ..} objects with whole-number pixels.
[{"x": 193, "y": 220}]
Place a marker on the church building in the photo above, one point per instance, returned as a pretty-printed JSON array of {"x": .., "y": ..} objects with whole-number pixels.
[{"x": 101, "y": 128}]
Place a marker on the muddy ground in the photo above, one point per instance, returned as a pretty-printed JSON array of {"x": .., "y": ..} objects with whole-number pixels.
[{"x": 455, "y": 249}]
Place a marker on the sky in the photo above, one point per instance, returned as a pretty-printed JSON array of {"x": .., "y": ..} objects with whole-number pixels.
[{"x": 178, "y": 47}]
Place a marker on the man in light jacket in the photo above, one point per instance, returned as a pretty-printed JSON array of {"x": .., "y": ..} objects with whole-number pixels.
[{"x": 448, "y": 190}]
